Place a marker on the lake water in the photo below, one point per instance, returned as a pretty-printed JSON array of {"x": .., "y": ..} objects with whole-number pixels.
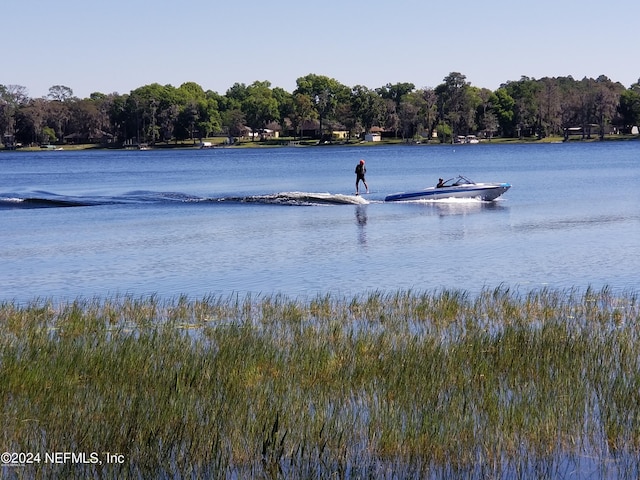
[{"x": 284, "y": 220}]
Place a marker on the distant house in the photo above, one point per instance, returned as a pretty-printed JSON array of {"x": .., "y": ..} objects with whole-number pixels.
[
  {"x": 339, "y": 134},
  {"x": 96, "y": 136},
  {"x": 588, "y": 130},
  {"x": 260, "y": 134},
  {"x": 372, "y": 137},
  {"x": 9, "y": 142},
  {"x": 269, "y": 133},
  {"x": 311, "y": 128}
]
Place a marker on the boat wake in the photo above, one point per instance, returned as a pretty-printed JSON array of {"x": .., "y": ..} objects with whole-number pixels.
[
  {"x": 299, "y": 198},
  {"x": 52, "y": 200},
  {"x": 46, "y": 200}
]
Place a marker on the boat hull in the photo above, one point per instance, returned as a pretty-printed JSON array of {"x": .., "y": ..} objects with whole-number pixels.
[{"x": 484, "y": 191}]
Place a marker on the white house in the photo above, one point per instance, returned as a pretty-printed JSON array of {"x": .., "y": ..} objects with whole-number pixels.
[{"x": 372, "y": 137}]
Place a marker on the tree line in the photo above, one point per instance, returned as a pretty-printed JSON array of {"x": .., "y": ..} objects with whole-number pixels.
[{"x": 162, "y": 113}]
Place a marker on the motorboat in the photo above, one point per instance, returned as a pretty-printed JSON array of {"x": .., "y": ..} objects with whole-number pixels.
[{"x": 457, "y": 187}]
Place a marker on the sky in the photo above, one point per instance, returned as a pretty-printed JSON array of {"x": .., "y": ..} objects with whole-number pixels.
[{"x": 120, "y": 45}]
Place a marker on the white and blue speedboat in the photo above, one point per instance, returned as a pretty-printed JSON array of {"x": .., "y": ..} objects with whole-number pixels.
[{"x": 457, "y": 187}]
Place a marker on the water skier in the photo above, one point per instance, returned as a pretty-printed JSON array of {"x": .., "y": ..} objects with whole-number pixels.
[{"x": 360, "y": 171}]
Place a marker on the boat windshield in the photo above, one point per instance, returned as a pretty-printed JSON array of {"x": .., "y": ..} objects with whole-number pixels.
[{"x": 456, "y": 181}]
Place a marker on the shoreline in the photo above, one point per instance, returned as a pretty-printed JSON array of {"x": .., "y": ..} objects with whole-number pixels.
[{"x": 287, "y": 143}]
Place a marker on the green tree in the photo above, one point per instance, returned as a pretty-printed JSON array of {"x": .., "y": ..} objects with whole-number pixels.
[
  {"x": 285, "y": 105},
  {"x": 391, "y": 117},
  {"x": 211, "y": 113},
  {"x": 346, "y": 117},
  {"x": 12, "y": 98},
  {"x": 548, "y": 102},
  {"x": 232, "y": 117},
  {"x": 233, "y": 121},
  {"x": 503, "y": 107},
  {"x": 190, "y": 96},
  {"x": 630, "y": 107},
  {"x": 569, "y": 110},
  {"x": 392, "y": 95},
  {"x": 408, "y": 115},
  {"x": 31, "y": 120},
  {"x": 302, "y": 110},
  {"x": 235, "y": 96},
  {"x": 585, "y": 105},
  {"x": 395, "y": 92},
  {"x": 367, "y": 107},
  {"x": 413, "y": 112},
  {"x": 428, "y": 110},
  {"x": 188, "y": 118},
  {"x": 60, "y": 93},
  {"x": 260, "y": 106},
  {"x": 199, "y": 114},
  {"x": 525, "y": 94},
  {"x": 485, "y": 119},
  {"x": 167, "y": 121},
  {"x": 444, "y": 132},
  {"x": 48, "y": 135},
  {"x": 457, "y": 103},
  {"x": 58, "y": 115},
  {"x": 85, "y": 119},
  {"x": 191, "y": 91},
  {"x": 147, "y": 105},
  {"x": 606, "y": 100},
  {"x": 325, "y": 94},
  {"x": 118, "y": 118},
  {"x": 102, "y": 104}
]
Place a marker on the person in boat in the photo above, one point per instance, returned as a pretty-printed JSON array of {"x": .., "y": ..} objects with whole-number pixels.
[
  {"x": 440, "y": 183},
  {"x": 360, "y": 171}
]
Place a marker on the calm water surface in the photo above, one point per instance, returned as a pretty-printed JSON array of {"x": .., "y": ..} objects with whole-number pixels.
[{"x": 284, "y": 220}]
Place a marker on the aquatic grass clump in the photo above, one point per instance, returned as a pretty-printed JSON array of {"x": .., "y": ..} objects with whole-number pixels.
[{"x": 406, "y": 384}]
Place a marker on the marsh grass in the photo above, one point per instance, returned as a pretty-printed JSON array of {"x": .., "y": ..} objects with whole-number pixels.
[{"x": 407, "y": 384}]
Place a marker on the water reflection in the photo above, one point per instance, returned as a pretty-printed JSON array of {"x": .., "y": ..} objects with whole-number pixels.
[
  {"x": 361, "y": 221},
  {"x": 463, "y": 208},
  {"x": 458, "y": 206}
]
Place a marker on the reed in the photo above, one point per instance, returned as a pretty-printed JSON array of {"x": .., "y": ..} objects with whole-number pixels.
[{"x": 404, "y": 384}]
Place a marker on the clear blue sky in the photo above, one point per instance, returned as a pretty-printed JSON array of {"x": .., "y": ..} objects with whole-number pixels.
[{"x": 119, "y": 45}]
